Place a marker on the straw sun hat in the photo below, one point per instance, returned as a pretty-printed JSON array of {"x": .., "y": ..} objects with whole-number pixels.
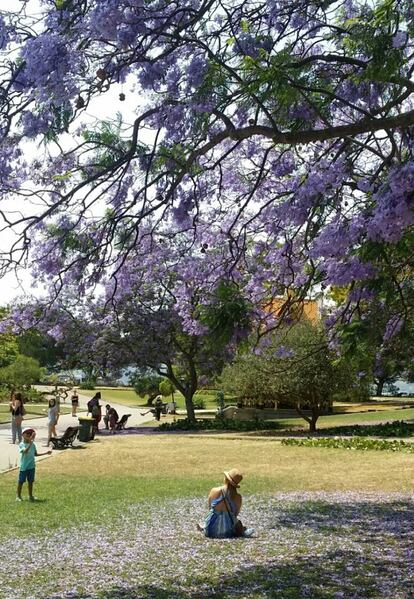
[{"x": 234, "y": 477}]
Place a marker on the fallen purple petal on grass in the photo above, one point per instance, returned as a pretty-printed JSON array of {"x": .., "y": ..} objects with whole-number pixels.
[{"x": 338, "y": 545}]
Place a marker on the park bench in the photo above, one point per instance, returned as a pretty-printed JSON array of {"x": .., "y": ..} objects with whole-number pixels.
[
  {"x": 66, "y": 439},
  {"x": 120, "y": 425}
]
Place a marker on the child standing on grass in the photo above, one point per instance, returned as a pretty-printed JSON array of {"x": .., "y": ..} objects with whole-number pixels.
[{"x": 28, "y": 451}]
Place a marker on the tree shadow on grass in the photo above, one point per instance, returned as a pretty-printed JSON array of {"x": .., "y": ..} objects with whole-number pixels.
[
  {"x": 368, "y": 519},
  {"x": 336, "y": 574},
  {"x": 327, "y": 550}
]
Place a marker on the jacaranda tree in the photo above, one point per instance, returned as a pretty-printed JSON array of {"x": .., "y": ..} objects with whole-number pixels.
[
  {"x": 275, "y": 136},
  {"x": 138, "y": 321}
]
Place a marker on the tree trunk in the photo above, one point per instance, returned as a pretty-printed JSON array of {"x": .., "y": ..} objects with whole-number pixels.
[
  {"x": 190, "y": 407},
  {"x": 313, "y": 419},
  {"x": 380, "y": 387},
  {"x": 151, "y": 398}
]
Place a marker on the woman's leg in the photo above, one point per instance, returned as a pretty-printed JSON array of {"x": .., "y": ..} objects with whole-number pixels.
[
  {"x": 14, "y": 429},
  {"x": 49, "y": 433},
  {"x": 19, "y": 430}
]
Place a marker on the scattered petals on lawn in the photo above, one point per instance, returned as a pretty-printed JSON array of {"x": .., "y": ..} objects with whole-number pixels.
[{"x": 316, "y": 545}]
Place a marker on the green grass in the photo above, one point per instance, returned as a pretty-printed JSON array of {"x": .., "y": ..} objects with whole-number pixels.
[
  {"x": 97, "y": 480},
  {"x": 355, "y": 413},
  {"x": 33, "y": 410},
  {"x": 349, "y": 419},
  {"x": 280, "y": 425},
  {"x": 126, "y": 396},
  {"x": 116, "y": 518}
]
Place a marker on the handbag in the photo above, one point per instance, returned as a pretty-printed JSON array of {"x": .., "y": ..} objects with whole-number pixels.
[{"x": 237, "y": 524}]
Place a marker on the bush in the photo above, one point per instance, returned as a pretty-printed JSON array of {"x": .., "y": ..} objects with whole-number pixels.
[
  {"x": 220, "y": 424},
  {"x": 4, "y": 394},
  {"x": 361, "y": 444},
  {"x": 33, "y": 396},
  {"x": 398, "y": 428},
  {"x": 355, "y": 394},
  {"x": 21, "y": 373},
  {"x": 90, "y": 385},
  {"x": 146, "y": 385},
  {"x": 199, "y": 403}
]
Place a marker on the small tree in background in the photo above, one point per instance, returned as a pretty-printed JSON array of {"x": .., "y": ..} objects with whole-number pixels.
[
  {"x": 166, "y": 387},
  {"x": 148, "y": 384},
  {"x": 21, "y": 373},
  {"x": 297, "y": 369}
]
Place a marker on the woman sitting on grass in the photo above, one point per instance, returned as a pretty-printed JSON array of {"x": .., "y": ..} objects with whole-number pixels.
[{"x": 225, "y": 505}]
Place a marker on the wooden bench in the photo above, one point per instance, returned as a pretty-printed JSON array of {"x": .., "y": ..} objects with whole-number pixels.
[{"x": 66, "y": 439}]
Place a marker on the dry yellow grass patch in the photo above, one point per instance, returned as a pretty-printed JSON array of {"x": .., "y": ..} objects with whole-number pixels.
[{"x": 265, "y": 463}]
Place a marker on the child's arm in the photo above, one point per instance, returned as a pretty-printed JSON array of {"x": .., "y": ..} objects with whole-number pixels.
[{"x": 43, "y": 453}]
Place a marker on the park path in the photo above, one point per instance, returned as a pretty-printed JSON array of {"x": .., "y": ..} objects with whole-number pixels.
[{"x": 9, "y": 457}]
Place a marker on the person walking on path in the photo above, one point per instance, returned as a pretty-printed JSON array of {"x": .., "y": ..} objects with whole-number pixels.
[
  {"x": 75, "y": 402},
  {"x": 17, "y": 413},
  {"x": 52, "y": 416},
  {"x": 158, "y": 407},
  {"x": 225, "y": 504},
  {"x": 28, "y": 452}
]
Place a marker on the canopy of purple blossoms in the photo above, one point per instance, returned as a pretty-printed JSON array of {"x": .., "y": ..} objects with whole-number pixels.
[{"x": 271, "y": 146}]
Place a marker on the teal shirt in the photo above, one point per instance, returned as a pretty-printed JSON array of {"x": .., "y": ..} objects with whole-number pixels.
[{"x": 27, "y": 460}]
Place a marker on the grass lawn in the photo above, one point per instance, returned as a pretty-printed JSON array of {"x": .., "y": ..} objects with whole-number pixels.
[
  {"x": 126, "y": 396},
  {"x": 116, "y": 518},
  {"x": 324, "y": 422},
  {"x": 369, "y": 406},
  {"x": 352, "y": 418},
  {"x": 32, "y": 410}
]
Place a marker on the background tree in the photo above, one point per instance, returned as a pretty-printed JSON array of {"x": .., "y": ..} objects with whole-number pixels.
[
  {"x": 21, "y": 373},
  {"x": 41, "y": 347},
  {"x": 378, "y": 330},
  {"x": 296, "y": 369},
  {"x": 167, "y": 388},
  {"x": 154, "y": 335},
  {"x": 9, "y": 346},
  {"x": 146, "y": 385}
]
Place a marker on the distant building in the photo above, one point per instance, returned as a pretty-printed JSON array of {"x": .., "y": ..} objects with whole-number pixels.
[{"x": 296, "y": 309}]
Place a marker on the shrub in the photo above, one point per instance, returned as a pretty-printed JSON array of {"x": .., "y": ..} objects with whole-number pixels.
[
  {"x": 199, "y": 403},
  {"x": 358, "y": 444},
  {"x": 146, "y": 385},
  {"x": 33, "y": 396},
  {"x": 220, "y": 424},
  {"x": 21, "y": 373},
  {"x": 90, "y": 385},
  {"x": 398, "y": 428},
  {"x": 166, "y": 387}
]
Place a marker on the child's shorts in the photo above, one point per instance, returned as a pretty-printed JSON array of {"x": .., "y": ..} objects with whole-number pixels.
[{"x": 28, "y": 475}]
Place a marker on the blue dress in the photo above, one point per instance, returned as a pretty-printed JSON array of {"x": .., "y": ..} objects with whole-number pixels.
[{"x": 220, "y": 524}]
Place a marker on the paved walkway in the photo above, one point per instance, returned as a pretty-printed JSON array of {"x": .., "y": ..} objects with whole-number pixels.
[{"x": 9, "y": 457}]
